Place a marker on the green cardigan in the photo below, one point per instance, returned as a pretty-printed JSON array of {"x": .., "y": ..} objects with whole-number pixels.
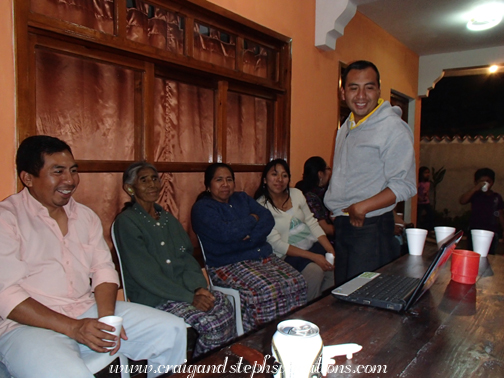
[{"x": 157, "y": 257}]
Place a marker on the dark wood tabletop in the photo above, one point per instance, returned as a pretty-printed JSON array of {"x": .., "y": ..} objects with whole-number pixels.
[{"x": 454, "y": 330}]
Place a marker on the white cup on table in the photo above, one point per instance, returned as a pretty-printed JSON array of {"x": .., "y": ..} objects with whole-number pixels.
[
  {"x": 416, "y": 240},
  {"x": 481, "y": 241},
  {"x": 443, "y": 234}
]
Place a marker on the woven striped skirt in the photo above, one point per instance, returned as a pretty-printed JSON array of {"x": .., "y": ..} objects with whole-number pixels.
[
  {"x": 269, "y": 288},
  {"x": 215, "y": 327}
]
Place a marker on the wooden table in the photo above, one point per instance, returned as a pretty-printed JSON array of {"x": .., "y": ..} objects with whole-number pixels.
[{"x": 454, "y": 330}]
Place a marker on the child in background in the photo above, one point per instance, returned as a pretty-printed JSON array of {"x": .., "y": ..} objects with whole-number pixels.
[
  {"x": 486, "y": 206},
  {"x": 425, "y": 211},
  {"x": 316, "y": 175}
]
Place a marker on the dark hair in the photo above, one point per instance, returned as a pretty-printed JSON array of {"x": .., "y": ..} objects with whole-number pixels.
[
  {"x": 31, "y": 151},
  {"x": 421, "y": 171},
  {"x": 263, "y": 189},
  {"x": 359, "y": 65},
  {"x": 209, "y": 175},
  {"x": 311, "y": 168},
  {"x": 484, "y": 172}
]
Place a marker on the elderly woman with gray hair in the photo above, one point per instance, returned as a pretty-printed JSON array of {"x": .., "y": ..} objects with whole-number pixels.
[{"x": 159, "y": 268}]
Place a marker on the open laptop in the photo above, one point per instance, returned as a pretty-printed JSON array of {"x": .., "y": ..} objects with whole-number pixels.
[{"x": 394, "y": 292}]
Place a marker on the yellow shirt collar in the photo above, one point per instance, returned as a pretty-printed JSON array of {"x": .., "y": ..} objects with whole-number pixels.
[{"x": 353, "y": 125}]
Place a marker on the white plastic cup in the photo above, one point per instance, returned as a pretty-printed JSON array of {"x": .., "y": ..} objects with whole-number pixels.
[
  {"x": 482, "y": 240},
  {"x": 114, "y": 321},
  {"x": 330, "y": 258},
  {"x": 443, "y": 234},
  {"x": 416, "y": 240}
]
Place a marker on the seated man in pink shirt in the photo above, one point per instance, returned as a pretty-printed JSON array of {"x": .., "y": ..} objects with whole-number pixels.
[{"x": 57, "y": 278}]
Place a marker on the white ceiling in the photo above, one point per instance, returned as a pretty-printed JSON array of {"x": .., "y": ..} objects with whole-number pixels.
[{"x": 432, "y": 26}]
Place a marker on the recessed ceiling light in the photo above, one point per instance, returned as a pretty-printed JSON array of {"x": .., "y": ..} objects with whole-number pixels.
[{"x": 486, "y": 16}]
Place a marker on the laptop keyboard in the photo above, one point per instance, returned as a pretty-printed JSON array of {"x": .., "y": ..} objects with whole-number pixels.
[{"x": 387, "y": 288}]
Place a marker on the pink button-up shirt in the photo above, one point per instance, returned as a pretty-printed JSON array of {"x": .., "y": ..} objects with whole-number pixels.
[{"x": 38, "y": 261}]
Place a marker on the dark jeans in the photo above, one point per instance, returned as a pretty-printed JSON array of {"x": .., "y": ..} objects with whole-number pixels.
[
  {"x": 299, "y": 263},
  {"x": 362, "y": 249},
  {"x": 425, "y": 217}
]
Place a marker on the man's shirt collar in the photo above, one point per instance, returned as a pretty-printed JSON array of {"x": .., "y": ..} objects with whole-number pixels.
[
  {"x": 36, "y": 208},
  {"x": 351, "y": 120}
]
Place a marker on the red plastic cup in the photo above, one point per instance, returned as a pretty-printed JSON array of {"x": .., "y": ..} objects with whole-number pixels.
[{"x": 465, "y": 266}]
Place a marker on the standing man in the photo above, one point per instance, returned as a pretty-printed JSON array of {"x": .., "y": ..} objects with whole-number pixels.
[
  {"x": 373, "y": 169},
  {"x": 57, "y": 278}
]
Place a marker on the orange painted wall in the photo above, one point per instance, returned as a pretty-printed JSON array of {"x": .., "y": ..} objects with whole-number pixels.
[
  {"x": 314, "y": 115},
  {"x": 7, "y": 103}
]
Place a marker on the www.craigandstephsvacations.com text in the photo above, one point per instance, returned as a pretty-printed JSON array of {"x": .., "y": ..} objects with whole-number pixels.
[{"x": 242, "y": 367}]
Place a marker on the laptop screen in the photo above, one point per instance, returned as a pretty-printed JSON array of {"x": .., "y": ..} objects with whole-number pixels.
[{"x": 428, "y": 279}]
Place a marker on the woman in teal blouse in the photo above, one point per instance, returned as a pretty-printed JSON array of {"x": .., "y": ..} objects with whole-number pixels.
[{"x": 159, "y": 268}]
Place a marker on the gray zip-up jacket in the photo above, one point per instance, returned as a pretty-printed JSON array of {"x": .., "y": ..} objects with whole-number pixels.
[{"x": 373, "y": 156}]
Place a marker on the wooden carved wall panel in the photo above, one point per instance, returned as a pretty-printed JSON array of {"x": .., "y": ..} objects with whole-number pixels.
[
  {"x": 183, "y": 122},
  {"x": 155, "y": 26},
  {"x": 103, "y": 193},
  {"x": 88, "y": 104},
  {"x": 247, "y": 182},
  {"x": 247, "y": 122},
  {"x": 178, "y": 83},
  {"x": 258, "y": 60},
  {"x": 94, "y": 14},
  {"x": 179, "y": 194},
  {"x": 213, "y": 46}
]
